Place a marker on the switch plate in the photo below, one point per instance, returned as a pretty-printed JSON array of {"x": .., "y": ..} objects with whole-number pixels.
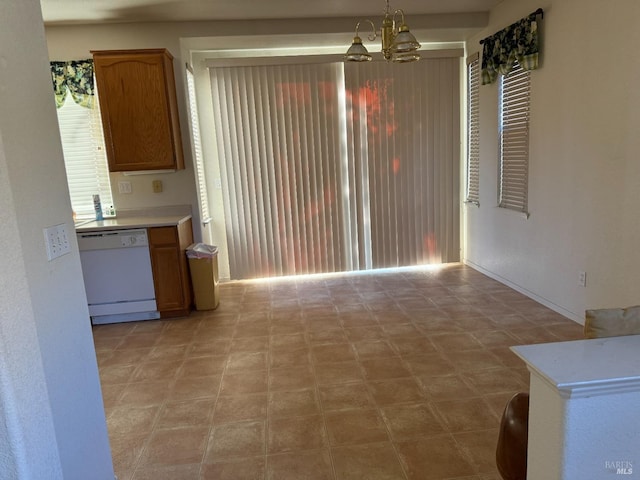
[
  {"x": 124, "y": 187},
  {"x": 582, "y": 279},
  {"x": 56, "y": 240}
]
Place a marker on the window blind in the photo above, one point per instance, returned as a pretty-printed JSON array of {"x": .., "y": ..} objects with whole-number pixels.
[
  {"x": 197, "y": 150},
  {"x": 84, "y": 156},
  {"x": 473, "y": 130},
  {"x": 336, "y": 167},
  {"x": 514, "y": 139},
  {"x": 277, "y": 131},
  {"x": 403, "y": 130}
]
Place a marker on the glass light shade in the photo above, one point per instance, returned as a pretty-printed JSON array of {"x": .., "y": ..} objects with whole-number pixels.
[
  {"x": 405, "y": 57},
  {"x": 404, "y": 41},
  {"x": 357, "y": 52}
]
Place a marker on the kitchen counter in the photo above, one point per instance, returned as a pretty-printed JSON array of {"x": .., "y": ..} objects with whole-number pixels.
[{"x": 137, "y": 221}]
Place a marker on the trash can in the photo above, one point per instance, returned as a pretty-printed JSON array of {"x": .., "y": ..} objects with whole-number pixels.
[{"x": 203, "y": 265}]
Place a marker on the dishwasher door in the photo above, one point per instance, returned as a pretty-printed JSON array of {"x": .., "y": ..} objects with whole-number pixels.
[{"x": 116, "y": 267}]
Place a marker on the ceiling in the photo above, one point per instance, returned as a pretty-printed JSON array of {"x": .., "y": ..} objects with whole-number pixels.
[{"x": 126, "y": 11}]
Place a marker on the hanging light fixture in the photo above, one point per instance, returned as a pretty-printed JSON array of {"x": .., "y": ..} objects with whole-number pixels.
[{"x": 398, "y": 43}]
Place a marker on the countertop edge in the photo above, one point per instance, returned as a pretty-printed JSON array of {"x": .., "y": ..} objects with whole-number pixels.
[{"x": 125, "y": 223}]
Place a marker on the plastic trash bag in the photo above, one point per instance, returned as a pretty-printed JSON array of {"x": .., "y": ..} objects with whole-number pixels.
[{"x": 201, "y": 250}]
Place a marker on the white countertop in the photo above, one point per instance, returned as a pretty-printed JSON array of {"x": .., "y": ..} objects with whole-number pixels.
[
  {"x": 141, "y": 221},
  {"x": 586, "y": 367}
]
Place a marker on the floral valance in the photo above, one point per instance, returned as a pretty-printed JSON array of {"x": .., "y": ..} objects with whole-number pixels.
[
  {"x": 516, "y": 42},
  {"x": 77, "y": 78}
]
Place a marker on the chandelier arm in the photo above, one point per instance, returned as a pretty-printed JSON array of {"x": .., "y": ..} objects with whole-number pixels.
[
  {"x": 372, "y": 36},
  {"x": 401, "y": 12}
]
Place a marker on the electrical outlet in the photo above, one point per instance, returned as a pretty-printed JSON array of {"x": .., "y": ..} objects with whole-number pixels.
[
  {"x": 157, "y": 186},
  {"x": 124, "y": 187},
  {"x": 582, "y": 279},
  {"x": 56, "y": 240}
]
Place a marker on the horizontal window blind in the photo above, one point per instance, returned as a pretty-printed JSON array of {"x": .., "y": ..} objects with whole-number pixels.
[
  {"x": 84, "y": 156},
  {"x": 197, "y": 150},
  {"x": 473, "y": 130},
  {"x": 514, "y": 139}
]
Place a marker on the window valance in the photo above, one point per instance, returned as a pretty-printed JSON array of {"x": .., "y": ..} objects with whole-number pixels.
[
  {"x": 75, "y": 76},
  {"x": 516, "y": 42}
]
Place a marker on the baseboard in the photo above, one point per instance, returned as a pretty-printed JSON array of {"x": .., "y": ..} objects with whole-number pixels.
[{"x": 578, "y": 318}]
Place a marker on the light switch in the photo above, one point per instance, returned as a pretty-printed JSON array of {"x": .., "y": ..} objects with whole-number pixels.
[
  {"x": 56, "y": 240},
  {"x": 157, "y": 186}
]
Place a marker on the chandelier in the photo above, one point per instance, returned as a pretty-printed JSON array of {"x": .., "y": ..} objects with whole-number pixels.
[{"x": 398, "y": 43}]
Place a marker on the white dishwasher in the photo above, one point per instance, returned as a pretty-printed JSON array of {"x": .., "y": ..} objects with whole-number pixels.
[{"x": 118, "y": 279}]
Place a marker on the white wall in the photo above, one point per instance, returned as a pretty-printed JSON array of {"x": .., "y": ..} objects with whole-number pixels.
[
  {"x": 584, "y": 175},
  {"x": 52, "y": 422}
]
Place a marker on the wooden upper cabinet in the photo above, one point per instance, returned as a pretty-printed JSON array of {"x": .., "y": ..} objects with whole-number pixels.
[{"x": 139, "y": 108}]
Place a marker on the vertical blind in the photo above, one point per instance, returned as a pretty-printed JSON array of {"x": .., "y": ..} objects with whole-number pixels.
[
  {"x": 473, "y": 130},
  {"x": 197, "y": 150},
  {"x": 334, "y": 167},
  {"x": 84, "y": 156},
  {"x": 278, "y": 131},
  {"x": 404, "y": 131},
  {"x": 514, "y": 139}
]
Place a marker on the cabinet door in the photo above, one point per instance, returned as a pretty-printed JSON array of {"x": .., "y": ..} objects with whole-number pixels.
[
  {"x": 139, "y": 109},
  {"x": 171, "y": 279},
  {"x": 167, "y": 278}
]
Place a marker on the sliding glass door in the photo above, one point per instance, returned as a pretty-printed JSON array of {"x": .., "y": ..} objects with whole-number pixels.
[{"x": 333, "y": 167}]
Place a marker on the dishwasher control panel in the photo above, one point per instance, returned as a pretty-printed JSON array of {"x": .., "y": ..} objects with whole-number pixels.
[{"x": 110, "y": 239}]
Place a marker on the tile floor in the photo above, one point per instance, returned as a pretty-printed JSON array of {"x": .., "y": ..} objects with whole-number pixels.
[{"x": 392, "y": 375}]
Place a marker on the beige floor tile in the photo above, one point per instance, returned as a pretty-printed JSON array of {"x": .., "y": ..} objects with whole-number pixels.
[
  {"x": 126, "y": 450},
  {"x": 252, "y": 468},
  {"x": 398, "y": 390},
  {"x": 132, "y": 420},
  {"x": 190, "y": 413},
  {"x": 203, "y": 366},
  {"x": 480, "y": 446},
  {"x": 242, "y": 383},
  {"x": 345, "y": 396},
  {"x": 366, "y": 349},
  {"x": 349, "y": 427},
  {"x": 384, "y": 368},
  {"x": 466, "y": 414},
  {"x": 376, "y": 461},
  {"x": 296, "y": 433},
  {"x": 331, "y": 353},
  {"x": 196, "y": 387},
  {"x": 175, "y": 446},
  {"x": 145, "y": 393},
  {"x": 446, "y": 387},
  {"x": 291, "y": 378},
  {"x": 433, "y": 458},
  {"x": 240, "y": 439},
  {"x": 412, "y": 421},
  {"x": 340, "y": 372},
  {"x": 307, "y": 465},
  {"x": 237, "y": 408},
  {"x": 172, "y": 472},
  {"x": 294, "y": 403}
]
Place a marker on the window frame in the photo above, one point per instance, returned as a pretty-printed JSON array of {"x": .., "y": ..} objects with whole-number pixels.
[
  {"x": 472, "y": 188},
  {"x": 203, "y": 197},
  {"x": 513, "y": 139}
]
